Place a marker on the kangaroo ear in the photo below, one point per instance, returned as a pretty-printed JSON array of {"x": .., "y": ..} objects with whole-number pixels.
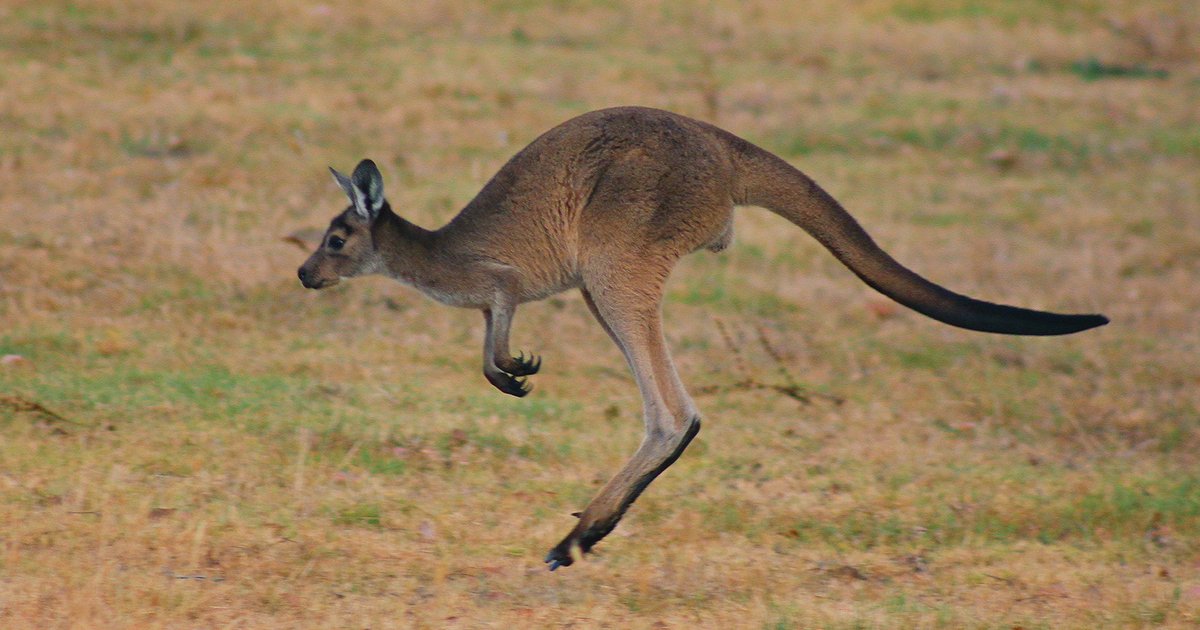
[
  {"x": 343, "y": 182},
  {"x": 367, "y": 190}
]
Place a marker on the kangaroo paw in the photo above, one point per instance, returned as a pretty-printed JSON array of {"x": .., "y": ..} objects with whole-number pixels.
[{"x": 509, "y": 384}]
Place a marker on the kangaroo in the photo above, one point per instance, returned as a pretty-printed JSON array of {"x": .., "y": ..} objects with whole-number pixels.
[{"x": 607, "y": 203}]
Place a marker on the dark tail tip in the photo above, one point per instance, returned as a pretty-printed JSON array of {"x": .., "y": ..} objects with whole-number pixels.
[
  {"x": 1010, "y": 320},
  {"x": 1056, "y": 324},
  {"x": 1090, "y": 321}
]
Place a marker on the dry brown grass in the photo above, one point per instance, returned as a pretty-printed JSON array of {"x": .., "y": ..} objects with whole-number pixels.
[{"x": 192, "y": 440}]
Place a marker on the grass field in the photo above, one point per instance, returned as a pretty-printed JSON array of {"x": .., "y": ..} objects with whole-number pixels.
[{"x": 190, "y": 439}]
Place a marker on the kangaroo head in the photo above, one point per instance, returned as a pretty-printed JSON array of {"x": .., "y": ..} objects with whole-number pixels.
[{"x": 348, "y": 249}]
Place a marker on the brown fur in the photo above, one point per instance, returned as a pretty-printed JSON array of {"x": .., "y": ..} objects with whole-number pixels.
[{"x": 607, "y": 203}]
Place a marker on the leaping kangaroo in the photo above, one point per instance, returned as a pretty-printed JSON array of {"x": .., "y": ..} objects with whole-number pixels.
[{"x": 607, "y": 203}]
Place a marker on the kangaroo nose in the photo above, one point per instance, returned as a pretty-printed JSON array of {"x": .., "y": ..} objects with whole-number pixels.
[{"x": 303, "y": 276}]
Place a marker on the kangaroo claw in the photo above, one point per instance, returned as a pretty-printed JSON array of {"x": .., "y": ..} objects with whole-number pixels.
[{"x": 524, "y": 367}]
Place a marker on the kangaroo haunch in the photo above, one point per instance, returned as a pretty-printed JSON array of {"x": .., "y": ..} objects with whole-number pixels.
[{"x": 607, "y": 203}]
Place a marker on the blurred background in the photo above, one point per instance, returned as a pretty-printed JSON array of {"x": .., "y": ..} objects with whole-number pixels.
[{"x": 189, "y": 438}]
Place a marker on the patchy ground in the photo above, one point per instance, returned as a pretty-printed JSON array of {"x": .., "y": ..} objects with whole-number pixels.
[{"x": 189, "y": 439}]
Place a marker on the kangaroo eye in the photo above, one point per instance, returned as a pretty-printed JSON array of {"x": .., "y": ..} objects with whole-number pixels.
[{"x": 336, "y": 242}]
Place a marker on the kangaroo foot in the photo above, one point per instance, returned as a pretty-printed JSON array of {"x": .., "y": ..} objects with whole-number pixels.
[
  {"x": 578, "y": 542},
  {"x": 603, "y": 513}
]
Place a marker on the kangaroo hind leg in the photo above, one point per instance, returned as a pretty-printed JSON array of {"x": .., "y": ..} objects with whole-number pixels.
[{"x": 630, "y": 310}]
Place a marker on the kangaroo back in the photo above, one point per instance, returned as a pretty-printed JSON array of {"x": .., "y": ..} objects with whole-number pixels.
[{"x": 770, "y": 182}]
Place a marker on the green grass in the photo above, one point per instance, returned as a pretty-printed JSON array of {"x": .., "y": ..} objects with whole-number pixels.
[
  {"x": 1066, "y": 15},
  {"x": 1092, "y": 69},
  {"x": 359, "y": 515}
]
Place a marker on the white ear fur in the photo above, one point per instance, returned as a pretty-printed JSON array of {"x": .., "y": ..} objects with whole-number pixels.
[
  {"x": 367, "y": 190},
  {"x": 360, "y": 204}
]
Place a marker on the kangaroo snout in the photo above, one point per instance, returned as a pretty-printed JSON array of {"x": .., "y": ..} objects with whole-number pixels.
[{"x": 311, "y": 280}]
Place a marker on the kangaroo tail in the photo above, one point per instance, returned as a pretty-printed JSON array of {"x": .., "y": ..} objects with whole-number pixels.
[{"x": 768, "y": 181}]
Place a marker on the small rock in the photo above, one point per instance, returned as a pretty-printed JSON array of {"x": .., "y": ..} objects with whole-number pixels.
[
  {"x": 13, "y": 360},
  {"x": 1003, "y": 159},
  {"x": 882, "y": 309}
]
